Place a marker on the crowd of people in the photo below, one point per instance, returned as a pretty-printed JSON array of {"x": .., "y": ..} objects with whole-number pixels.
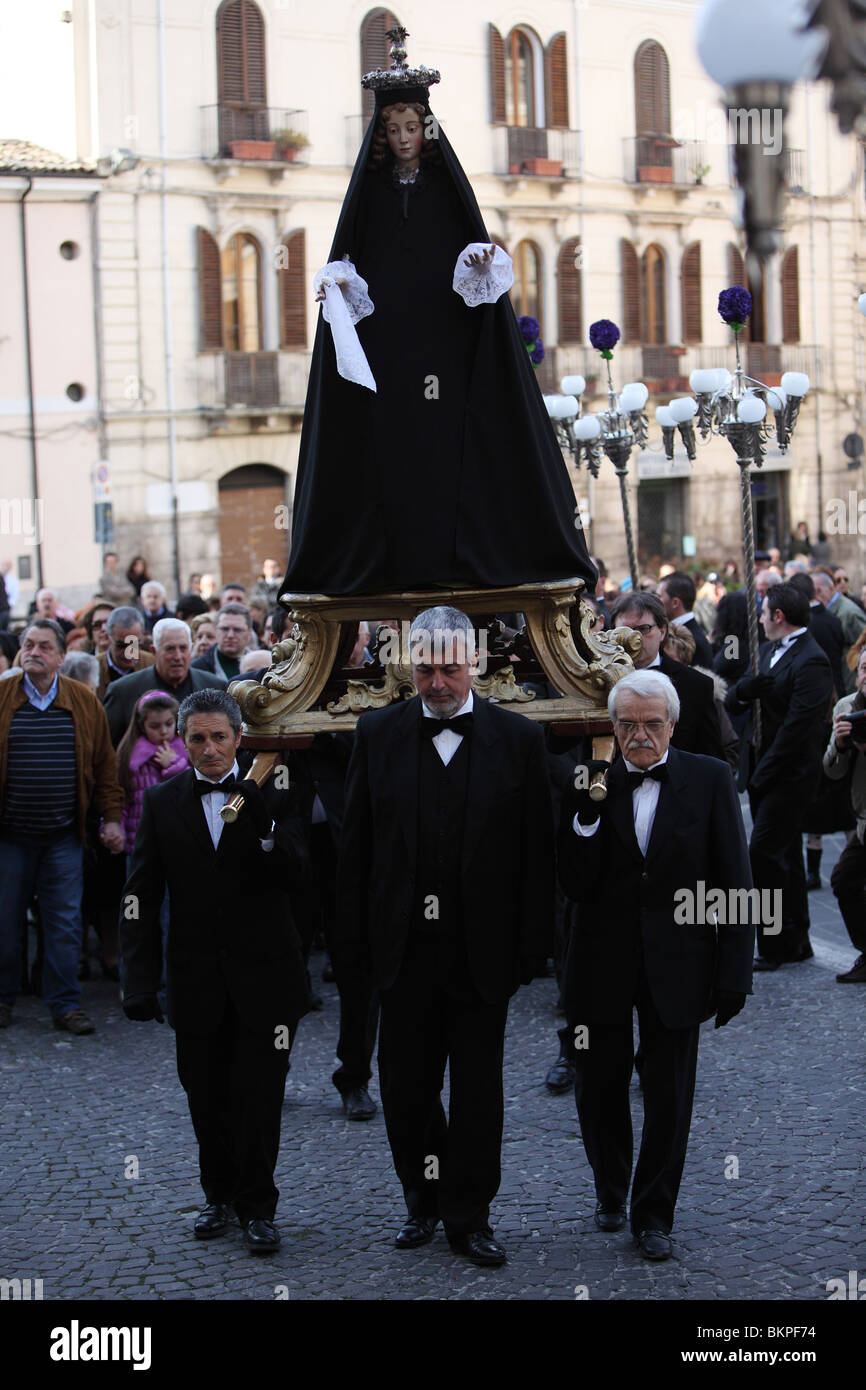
[{"x": 102, "y": 709}]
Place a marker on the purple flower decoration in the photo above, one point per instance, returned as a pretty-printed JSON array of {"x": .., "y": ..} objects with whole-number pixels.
[
  {"x": 604, "y": 336},
  {"x": 735, "y": 305},
  {"x": 536, "y": 356},
  {"x": 529, "y": 328}
]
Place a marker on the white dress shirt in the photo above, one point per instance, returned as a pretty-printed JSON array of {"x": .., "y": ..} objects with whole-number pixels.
[
  {"x": 644, "y": 800},
  {"x": 447, "y": 743},
  {"x": 683, "y": 618},
  {"x": 212, "y": 804},
  {"x": 784, "y": 644}
]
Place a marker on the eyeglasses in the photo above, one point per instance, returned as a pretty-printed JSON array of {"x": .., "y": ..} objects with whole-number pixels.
[
  {"x": 644, "y": 628},
  {"x": 630, "y": 726},
  {"x": 99, "y": 622}
]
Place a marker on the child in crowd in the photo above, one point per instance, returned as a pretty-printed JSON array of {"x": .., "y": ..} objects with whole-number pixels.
[{"x": 149, "y": 752}]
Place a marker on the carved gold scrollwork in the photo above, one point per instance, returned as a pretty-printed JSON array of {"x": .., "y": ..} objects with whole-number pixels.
[
  {"x": 360, "y": 695},
  {"x": 501, "y": 685}
]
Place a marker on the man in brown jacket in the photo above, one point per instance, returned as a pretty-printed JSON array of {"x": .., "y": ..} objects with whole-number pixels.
[{"x": 55, "y": 758}]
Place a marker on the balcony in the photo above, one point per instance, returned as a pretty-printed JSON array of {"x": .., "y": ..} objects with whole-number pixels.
[
  {"x": 270, "y": 135},
  {"x": 524, "y": 151},
  {"x": 252, "y": 383},
  {"x": 794, "y": 167},
  {"x": 661, "y": 159}
]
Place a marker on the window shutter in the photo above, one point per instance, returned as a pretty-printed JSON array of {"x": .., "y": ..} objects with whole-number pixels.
[
  {"x": 375, "y": 49},
  {"x": 496, "y": 53},
  {"x": 570, "y": 291},
  {"x": 630, "y": 271},
  {"x": 691, "y": 294},
  {"x": 241, "y": 54},
  {"x": 737, "y": 276},
  {"x": 556, "y": 92},
  {"x": 791, "y": 295},
  {"x": 652, "y": 90},
  {"x": 292, "y": 282},
  {"x": 209, "y": 294}
]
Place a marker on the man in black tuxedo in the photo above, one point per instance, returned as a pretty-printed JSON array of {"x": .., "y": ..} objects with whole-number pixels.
[
  {"x": 795, "y": 686},
  {"x": 678, "y": 594},
  {"x": 697, "y": 729},
  {"x": 445, "y": 895},
  {"x": 236, "y": 982},
  {"x": 658, "y": 870}
]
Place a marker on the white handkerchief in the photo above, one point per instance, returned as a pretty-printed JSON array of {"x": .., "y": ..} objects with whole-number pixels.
[{"x": 342, "y": 313}]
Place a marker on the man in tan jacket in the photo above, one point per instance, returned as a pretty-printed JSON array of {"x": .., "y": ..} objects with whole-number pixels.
[{"x": 55, "y": 759}]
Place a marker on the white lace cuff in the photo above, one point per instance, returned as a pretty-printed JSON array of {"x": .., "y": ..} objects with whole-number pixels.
[
  {"x": 355, "y": 296},
  {"x": 483, "y": 286}
]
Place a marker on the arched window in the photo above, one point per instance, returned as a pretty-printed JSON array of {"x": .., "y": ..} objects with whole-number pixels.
[
  {"x": 521, "y": 94},
  {"x": 375, "y": 49},
  {"x": 241, "y": 86},
  {"x": 691, "y": 294},
  {"x": 652, "y": 105},
  {"x": 242, "y": 295},
  {"x": 526, "y": 290},
  {"x": 654, "y": 299},
  {"x": 631, "y": 308},
  {"x": 569, "y": 283},
  {"x": 292, "y": 285},
  {"x": 791, "y": 295}
]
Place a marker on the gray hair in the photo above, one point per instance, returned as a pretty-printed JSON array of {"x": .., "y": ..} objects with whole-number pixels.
[
  {"x": 83, "y": 667},
  {"x": 437, "y": 627},
  {"x": 154, "y": 584},
  {"x": 124, "y": 617},
  {"x": 823, "y": 581},
  {"x": 165, "y": 627},
  {"x": 235, "y": 610},
  {"x": 648, "y": 685},
  {"x": 209, "y": 701}
]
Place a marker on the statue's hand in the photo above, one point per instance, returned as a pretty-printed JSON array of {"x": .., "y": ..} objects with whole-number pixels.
[
  {"x": 339, "y": 280},
  {"x": 480, "y": 261}
]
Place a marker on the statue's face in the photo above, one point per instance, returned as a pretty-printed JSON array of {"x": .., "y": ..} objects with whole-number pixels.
[{"x": 405, "y": 135}]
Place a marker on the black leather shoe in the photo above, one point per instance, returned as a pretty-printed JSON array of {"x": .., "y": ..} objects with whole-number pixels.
[
  {"x": 261, "y": 1237},
  {"x": 610, "y": 1218},
  {"x": 359, "y": 1104},
  {"x": 418, "y": 1230},
  {"x": 560, "y": 1077},
  {"x": 813, "y": 882},
  {"x": 653, "y": 1245},
  {"x": 210, "y": 1222},
  {"x": 855, "y": 976},
  {"x": 479, "y": 1247},
  {"x": 760, "y": 963}
]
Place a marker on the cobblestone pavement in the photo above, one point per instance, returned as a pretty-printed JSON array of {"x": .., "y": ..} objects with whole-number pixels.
[{"x": 781, "y": 1090}]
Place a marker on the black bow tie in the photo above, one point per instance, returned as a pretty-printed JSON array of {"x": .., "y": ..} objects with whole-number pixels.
[
  {"x": 460, "y": 724},
  {"x": 658, "y": 774},
  {"x": 204, "y": 788}
]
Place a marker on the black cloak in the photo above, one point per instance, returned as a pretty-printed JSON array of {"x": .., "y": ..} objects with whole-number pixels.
[{"x": 450, "y": 474}]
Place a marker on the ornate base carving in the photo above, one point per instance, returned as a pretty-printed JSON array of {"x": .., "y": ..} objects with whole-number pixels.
[{"x": 304, "y": 692}]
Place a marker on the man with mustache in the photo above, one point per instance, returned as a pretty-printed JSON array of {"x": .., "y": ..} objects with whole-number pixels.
[{"x": 668, "y": 833}]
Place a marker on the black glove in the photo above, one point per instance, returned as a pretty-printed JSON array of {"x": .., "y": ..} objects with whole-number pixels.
[
  {"x": 141, "y": 1008},
  {"x": 579, "y": 801},
  {"x": 254, "y": 806},
  {"x": 728, "y": 1005},
  {"x": 753, "y": 687}
]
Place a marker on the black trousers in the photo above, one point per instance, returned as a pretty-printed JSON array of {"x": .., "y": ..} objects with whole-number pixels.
[
  {"x": 776, "y": 854},
  {"x": 848, "y": 881},
  {"x": 234, "y": 1081},
  {"x": 432, "y": 1015},
  {"x": 601, "y": 1090}
]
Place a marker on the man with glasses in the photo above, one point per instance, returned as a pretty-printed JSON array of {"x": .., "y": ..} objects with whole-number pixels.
[
  {"x": 233, "y": 630},
  {"x": 125, "y": 653},
  {"x": 642, "y": 866}
]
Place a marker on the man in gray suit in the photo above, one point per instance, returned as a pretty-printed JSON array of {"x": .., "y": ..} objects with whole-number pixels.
[{"x": 172, "y": 642}]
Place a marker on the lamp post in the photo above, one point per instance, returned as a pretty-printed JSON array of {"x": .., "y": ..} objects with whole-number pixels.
[{"x": 613, "y": 432}]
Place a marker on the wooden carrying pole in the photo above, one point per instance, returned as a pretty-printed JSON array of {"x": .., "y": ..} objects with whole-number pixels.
[{"x": 260, "y": 770}]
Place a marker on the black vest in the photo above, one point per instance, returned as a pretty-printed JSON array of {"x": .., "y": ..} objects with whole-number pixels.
[{"x": 441, "y": 818}]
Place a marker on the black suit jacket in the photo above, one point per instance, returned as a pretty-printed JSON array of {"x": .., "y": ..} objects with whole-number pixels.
[
  {"x": 703, "y": 651},
  {"x": 627, "y": 905},
  {"x": 122, "y": 695},
  {"x": 697, "y": 729},
  {"x": 793, "y": 716},
  {"x": 231, "y": 932},
  {"x": 826, "y": 629},
  {"x": 508, "y": 873}
]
